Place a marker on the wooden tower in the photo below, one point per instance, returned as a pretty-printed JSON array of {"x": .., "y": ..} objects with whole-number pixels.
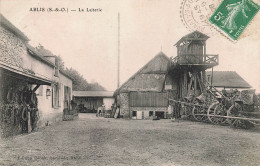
[{"x": 189, "y": 66}]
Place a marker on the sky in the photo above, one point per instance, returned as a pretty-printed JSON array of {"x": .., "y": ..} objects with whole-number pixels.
[{"x": 88, "y": 41}]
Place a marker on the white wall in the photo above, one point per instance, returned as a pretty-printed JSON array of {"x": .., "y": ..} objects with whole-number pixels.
[
  {"x": 47, "y": 112},
  {"x": 108, "y": 102}
]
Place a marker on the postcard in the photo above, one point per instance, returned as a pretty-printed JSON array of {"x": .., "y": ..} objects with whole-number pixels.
[{"x": 130, "y": 82}]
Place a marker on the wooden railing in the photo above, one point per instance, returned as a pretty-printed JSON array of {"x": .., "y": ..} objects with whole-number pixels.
[
  {"x": 196, "y": 59},
  {"x": 211, "y": 59}
]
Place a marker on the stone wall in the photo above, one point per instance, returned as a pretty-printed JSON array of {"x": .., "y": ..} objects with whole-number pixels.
[
  {"x": 12, "y": 48},
  {"x": 124, "y": 104}
]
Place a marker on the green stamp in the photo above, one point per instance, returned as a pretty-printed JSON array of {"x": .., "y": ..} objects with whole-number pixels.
[{"x": 232, "y": 16}]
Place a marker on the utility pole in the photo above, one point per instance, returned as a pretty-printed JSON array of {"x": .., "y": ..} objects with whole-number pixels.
[{"x": 118, "y": 58}]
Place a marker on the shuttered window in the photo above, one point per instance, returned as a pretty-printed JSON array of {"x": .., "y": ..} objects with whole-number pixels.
[
  {"x": 67, "y": 96},
  {"x": 55, "y": 96},
  {"x": 148, "y": 99}
]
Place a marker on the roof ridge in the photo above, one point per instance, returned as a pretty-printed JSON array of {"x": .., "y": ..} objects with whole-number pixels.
[
  {"x": 138, "y": 71},
  {"x": 9, "y": 25},
  {"x": 222, "y": 71}
]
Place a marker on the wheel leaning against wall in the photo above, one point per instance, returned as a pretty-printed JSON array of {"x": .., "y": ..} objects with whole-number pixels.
[
  {"x": 22, "y": 97},
  {"x": 10, "y": 95},
  {"x": 25, "y": 113},
  {"x": 16, "y": 115},
  {"x": 7, "y": 112}
]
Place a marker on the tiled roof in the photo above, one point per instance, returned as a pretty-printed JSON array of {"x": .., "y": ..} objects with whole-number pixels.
[
  {"x": 193, "y": 35},
  {"x": 38, "y": 55},
  {"x": 145, "y": 82},
  {"x": 150, "y": 77},
  {"x": 228, "y": 79},
  {"x": 92, "y": 93},
  {"x": 12, "y": 28}
]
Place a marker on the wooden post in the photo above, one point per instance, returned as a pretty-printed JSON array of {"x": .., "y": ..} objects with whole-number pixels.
[
  {"x": 211, "y": 80},
  {"x": 189, "y": 86},
  {"x": 185, "y": 90},
  {"x": 195, "y": 83},
  {"x": 204, "y": 51},
  {"x": 201, "y": 87},
  {"x": 204, "y": 77},
  {"x": 211, "y": 83}
]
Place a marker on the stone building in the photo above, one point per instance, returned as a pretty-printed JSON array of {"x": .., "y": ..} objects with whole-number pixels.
[{"x": 33, "y": 90}]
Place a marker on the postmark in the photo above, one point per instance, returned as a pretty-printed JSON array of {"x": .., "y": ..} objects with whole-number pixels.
[
  {"x": 233, "y": 16},
  {"x": 195, "y": 15}
]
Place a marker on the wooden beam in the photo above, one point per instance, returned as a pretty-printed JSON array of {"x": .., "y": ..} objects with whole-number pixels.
[
  {"x": 195, "y": 83},
  {"x": 201, "y": 88},
  {"x": 189, "y": 86},
  {"x": 37, "y": 86}
]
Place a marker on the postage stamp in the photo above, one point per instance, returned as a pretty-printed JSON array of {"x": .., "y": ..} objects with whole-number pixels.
[
  {"x": 233, "y": 16},
  {"x": 195, "y": 15}
]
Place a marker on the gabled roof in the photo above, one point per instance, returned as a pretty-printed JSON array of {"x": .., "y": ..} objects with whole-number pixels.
[
  {"x": 196, "y": 35},
  {"x": 92, "y": 93},
  {"x": 228, "y": 79},
  {"x": 38, "y": 55},
  {"x": 8, "y": 25},
  {"x": 150, "y": 77}
]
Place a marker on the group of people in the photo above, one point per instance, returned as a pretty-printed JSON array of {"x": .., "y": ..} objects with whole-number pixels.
[{"x": 113, "y": 112}]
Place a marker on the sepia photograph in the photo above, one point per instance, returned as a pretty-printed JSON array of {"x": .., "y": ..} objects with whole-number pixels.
[{"x": 130, "y": 82}]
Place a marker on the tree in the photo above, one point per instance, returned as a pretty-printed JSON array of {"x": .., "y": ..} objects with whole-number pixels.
[{"x": 79, "y": 83}]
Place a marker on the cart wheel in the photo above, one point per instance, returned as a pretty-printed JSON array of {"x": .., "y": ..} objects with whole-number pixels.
[
  {"x": 211, "y": 113},
  {"x": 198, "y": 113},
  {"x": 220, "y": 109},
  {"x": 188, "y": 111},
  {"x": 238, "y": 123}
]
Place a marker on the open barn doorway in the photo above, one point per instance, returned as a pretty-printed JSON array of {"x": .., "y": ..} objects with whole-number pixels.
[{"x": 159, "y": 115}]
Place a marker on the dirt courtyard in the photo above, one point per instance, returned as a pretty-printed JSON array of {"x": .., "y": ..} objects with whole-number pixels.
[{"x": 99, "y": 141}]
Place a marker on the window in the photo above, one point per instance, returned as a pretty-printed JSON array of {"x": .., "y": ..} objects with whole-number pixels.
[{"x": 55, "y": 96}]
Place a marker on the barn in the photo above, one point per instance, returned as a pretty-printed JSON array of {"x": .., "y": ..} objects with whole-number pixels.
[
  {"x": 227, "y": 80},
  {"x": 89, "y": 101},
  {"x": 147, "y": 93}
]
